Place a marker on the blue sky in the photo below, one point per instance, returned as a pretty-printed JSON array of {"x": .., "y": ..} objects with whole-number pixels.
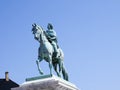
[{"x": 88, "y": 32}]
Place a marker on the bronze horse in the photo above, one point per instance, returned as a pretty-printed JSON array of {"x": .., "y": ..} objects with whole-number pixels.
[{"x": 46, "y": 51}]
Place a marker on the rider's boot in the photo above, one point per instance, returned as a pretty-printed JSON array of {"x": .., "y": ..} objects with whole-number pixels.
[
  {"x": 55, "y": 50},
  {"x": 56, "y": 54}
]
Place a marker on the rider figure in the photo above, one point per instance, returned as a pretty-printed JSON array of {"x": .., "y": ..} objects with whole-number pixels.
[{"x": 52, "y": 38}]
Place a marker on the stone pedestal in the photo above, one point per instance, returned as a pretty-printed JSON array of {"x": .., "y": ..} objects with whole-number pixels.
[{"x": 50, "y": 83}]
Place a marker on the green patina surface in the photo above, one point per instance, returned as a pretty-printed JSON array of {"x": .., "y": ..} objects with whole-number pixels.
[
  {"x": 49, "y": 51},
  {"x": 38, "y": 77}
]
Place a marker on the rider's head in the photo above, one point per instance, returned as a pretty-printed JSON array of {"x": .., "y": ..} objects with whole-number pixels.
[{"x": 49, "y": 26}]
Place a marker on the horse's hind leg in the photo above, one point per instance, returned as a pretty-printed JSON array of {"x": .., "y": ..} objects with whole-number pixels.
[
  {"x": 65, "y": 74},
  {"x": 55, "y": 68},
  {"x": 60, "y": 67}
]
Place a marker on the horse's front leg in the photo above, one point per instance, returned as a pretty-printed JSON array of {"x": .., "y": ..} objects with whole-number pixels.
[
  {"x": 50, "y": 65},
  {"x": 38, "y": 65}
]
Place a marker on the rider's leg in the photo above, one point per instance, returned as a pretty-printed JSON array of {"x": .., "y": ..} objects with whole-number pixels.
[{"x": 55, "y": 48}]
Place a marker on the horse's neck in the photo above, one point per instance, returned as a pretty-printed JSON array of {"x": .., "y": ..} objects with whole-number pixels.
[{"x": 43, "y": 38}]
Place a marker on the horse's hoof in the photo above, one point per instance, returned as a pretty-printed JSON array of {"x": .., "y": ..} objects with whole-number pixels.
[
  {"x": 51, "y": 75},
  {"x": 41, "y": 73}
]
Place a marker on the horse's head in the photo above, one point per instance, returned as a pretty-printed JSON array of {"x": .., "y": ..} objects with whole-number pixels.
[{"x": 37, "y": 30}]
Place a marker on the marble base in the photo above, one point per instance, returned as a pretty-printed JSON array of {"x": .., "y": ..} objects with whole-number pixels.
[{"x": 50, "y": 83}]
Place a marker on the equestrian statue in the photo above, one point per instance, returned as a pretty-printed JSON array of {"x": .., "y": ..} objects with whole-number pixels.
[{"x": 49, "y": 50}]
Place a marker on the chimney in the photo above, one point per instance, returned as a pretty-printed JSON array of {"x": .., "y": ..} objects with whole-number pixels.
[{"x": 6, "y": 76}]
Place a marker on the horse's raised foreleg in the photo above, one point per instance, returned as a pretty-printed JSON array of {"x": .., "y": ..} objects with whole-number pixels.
[{"x": 39, "y": 69}]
